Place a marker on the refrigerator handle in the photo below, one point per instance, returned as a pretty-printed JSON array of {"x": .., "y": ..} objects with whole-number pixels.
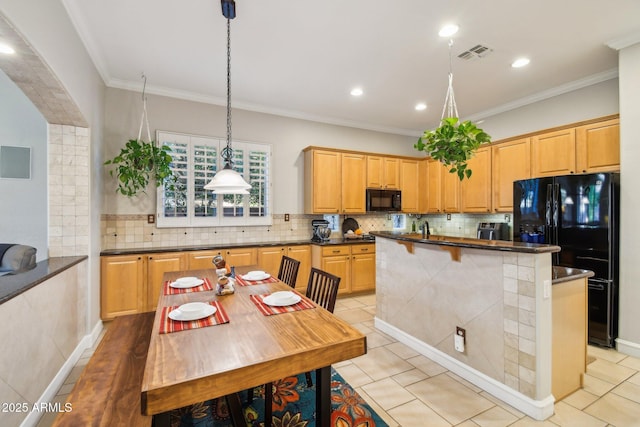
[
  {"x": 556, "y": 190},
  {"x": 548, "y": 206}
]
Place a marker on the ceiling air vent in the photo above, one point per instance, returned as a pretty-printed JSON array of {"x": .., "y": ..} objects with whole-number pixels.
[{"x": 476, "y": 52}]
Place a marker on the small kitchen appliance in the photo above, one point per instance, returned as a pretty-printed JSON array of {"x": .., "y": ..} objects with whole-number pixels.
[
  {"x": 493, "y": 231},
  {"x": 321, "y": 230},
  {"x": 383, "y": 200}
]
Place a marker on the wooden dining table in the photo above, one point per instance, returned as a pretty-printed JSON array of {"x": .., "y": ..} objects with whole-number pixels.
[{"x": 252, "y": 349}]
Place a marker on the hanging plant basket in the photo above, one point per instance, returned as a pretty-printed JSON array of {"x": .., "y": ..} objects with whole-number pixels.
[
  {"x": 138, "y": 163},
  {"x": 453, "y": 144}
]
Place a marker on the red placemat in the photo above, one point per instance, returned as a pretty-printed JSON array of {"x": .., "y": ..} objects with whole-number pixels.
[
  {"x": 168, "y": 325},
  {"x": 168, "y": 290},
  {"x": 244, "y": 282},
  {"x": 268, "y": 310}
]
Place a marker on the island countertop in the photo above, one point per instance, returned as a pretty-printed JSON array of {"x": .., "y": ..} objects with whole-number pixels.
[{"x": 466, "y": 242}]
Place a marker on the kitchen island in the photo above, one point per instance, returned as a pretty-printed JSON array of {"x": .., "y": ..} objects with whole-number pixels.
[{"x": 499, "y": 292}]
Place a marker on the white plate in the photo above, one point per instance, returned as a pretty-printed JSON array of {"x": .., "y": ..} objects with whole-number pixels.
[
  {"x": 282, "y": 300},
  {"x": 256, "y": 275},
  {"x": 183, "y": 283},
  {"x": 192, "y": 311}
]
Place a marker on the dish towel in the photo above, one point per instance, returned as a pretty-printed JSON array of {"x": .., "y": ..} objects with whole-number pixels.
[
  {"x": 245, "y": 282},
  {"x": 206, "y": 286},
  {"x": 168, "y": 325},
  {"x": 268, "y": 310}
]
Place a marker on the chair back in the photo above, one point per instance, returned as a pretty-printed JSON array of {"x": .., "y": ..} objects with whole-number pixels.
[
  {"x": 288, "y": 272},
  {"x": 323, "y": 288}
]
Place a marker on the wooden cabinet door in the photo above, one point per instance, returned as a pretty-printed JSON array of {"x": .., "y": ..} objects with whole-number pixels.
[
  {"x": 598, "y": 147},
  {"x": 269, "y": 258},
  {"x": 122, "y": 289},
  {"x": 240, "y": 257},
  {"x": 434, "y": 186},
  {"x": 375, "y": 172},
  {"x": 450, "y": 191},
  {"x": 157, "y": 265},
  {"x": 391, "y": 173},
  {"x": 301, "y": 253},
  {"x": 339, "y": 266},
  {"x": 409, "y": 185},
  {"x": 553, "y": 153},
  {"x": 363, "y": 268},
  {"x": 511, "y": 161},
  {"x": 323, "y": 176},
  {"x": 423, "y": 186},
  {"x": 475, "y": 191},
  {"x": 354, "y": 183}
]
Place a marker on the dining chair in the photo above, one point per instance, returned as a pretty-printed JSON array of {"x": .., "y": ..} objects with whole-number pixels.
[
  {"x": 322, "y": 289},
  {"x": 288, "y": 272}
]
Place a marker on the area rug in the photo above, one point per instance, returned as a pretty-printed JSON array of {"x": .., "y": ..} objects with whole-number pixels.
[{"x": 294, "y": 405}]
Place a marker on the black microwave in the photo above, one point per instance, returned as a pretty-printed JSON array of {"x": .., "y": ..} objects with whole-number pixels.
[{"x": 384, "y": 200}]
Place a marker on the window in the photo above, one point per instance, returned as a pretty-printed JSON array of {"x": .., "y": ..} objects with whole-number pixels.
[{"x": 196, "y": 160}]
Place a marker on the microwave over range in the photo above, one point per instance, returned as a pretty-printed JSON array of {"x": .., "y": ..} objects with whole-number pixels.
[{"x": 384, "y": 200}]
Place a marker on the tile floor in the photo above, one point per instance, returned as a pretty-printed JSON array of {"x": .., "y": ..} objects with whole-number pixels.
[{"x": 407, "y": 389}]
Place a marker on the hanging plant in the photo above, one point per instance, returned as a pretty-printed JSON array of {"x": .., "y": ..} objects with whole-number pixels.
[
  {"x": 453, "y": 144},
  {"x": 139, "y": 162}
]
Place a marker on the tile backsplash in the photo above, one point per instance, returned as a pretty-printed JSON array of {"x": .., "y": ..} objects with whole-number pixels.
[{"x": 133, "y": 231}]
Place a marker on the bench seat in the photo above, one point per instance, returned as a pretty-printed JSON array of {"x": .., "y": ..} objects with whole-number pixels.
[{"x": 109, "y": 388}]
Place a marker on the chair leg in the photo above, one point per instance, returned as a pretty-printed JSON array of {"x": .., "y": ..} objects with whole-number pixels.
[
  {"x": 268, "y": 404},
  {"x": 309, "y": 380},
  {"x": 250, "y": 396}
]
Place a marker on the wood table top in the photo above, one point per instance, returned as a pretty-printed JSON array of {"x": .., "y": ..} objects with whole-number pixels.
[{"x": 195, "y": 365}]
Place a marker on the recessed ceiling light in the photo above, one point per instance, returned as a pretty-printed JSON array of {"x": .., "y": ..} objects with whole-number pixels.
[
  {"x": 357, "y": 91},
  {"x": 421, "y": 106},
  {"x": 520, "y": 62},
  {"x": 5, "y": 48},
  {"x": 448, "y": 30}
]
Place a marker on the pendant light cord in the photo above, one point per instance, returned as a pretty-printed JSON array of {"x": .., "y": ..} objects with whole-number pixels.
[{"x": 227, "y": 152}]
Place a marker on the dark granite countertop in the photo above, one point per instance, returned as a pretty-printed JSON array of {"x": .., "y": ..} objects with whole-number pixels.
[
  {"x": 465, "y": 242},
  {"x": 15, "y": 283},
  {"x": 132, "y": 251},
  {"x": 566, "y": 274}
]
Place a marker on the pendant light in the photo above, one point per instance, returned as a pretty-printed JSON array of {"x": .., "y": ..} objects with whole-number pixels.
[{"x": 228, "y": 181}]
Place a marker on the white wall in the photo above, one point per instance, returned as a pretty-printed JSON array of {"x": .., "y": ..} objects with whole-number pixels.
[
  {"x": 288, "y": 136},
  {"x": 629, "y": 332},
  {"x": 598, "y": 100},
  {"x": 23, "y": 205}
]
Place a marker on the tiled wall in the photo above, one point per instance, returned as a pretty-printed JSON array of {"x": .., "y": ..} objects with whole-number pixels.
[
  {"x": 68, "y": 152},
  {"x": 133, "y": 231}
]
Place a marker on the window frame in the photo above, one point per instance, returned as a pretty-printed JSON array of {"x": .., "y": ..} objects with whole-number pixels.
[{"x": 219, "y": 220}]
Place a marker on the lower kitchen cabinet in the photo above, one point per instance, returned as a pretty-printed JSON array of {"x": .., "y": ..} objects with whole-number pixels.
[
  {"x": 354, "y": 264},
  {"x": 132, "y": 283},
  {"x": 237, "y": 257},
  {"x": 269, "y": 259}
]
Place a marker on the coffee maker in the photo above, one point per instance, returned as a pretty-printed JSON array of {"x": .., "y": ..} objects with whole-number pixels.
[{"x": 321, "y": 230}]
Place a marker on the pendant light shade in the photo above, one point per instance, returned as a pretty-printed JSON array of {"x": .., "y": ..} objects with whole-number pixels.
[{"x": 228, "y": 181}]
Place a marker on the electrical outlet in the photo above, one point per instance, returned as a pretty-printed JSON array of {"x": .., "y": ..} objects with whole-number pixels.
[
  {"x": 507, "y": 217},
  {"x": 459, "y": 339},
  {"x": 286, "y": 217},
  {"x": 448, "y": 217},
  {"x": 151, "y": 219}
]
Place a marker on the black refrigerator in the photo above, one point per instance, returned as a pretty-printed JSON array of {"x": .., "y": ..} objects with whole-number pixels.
[{"x": 579, "y": 213}]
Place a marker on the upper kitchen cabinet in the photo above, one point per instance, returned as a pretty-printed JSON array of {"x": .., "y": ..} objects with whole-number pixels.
[
  {"x": 409, "y": 177},
  {"x": 450, "y": 191},
  {"x": 435, "y": 171},
  {"x": 354, "y": 176},
  {"x": 383, "y": 172},
  {"x": 511, "y": 161},
  {"x": 475, "y": 191},
  {"x": 590, "y": 147},
  {"x": 553, "y": 153},
  {"x": 423, "y": 186},
  {"x": 598, "y": 147},
  {"x": 335, "y": 182}
]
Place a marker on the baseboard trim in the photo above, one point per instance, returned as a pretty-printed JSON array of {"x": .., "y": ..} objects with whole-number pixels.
[
  {"x": 536, "y": 409},
  {"x": 51, "y": 391},
  {"x": 629, "y": 348}
]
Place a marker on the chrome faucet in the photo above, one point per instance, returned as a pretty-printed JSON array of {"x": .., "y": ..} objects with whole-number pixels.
[{"x": 425, "y": 230}]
